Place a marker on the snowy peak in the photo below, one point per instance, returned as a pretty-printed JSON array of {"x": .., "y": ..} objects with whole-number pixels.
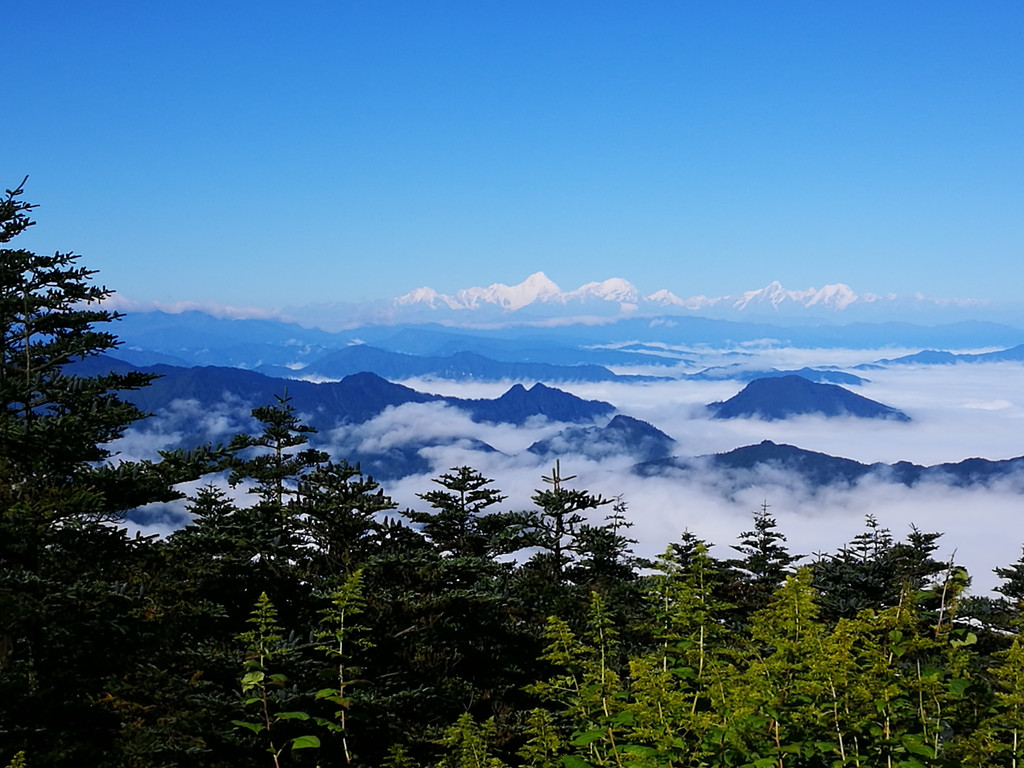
[
  {"x": 536, "y": 288},
  {"x": 665, "y": 298},
  {"x": 424, "y": 295},
  {"x": 837, "y": 296},
  {"x": 539, "y": 297},
  {"x": 616, "y": 289},
  {"x": 773, "y": 296}
]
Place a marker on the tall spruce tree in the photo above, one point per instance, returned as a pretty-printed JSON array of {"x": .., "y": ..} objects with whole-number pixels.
[
  {"x": 765, "y": 564},
  {"x": 341, "y": 509},
  {"x": 67, "y": 576},
  {"x": 558, "y": 523},
  {"x": 461, "y": 524}
]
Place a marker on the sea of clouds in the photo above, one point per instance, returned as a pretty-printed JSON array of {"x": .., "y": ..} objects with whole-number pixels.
[{"x": 957, "y": 412}]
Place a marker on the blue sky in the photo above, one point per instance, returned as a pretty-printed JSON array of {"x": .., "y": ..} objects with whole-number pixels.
[{"x": 271, "y": 154}]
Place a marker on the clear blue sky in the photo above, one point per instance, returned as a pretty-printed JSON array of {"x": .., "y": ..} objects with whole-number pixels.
[{"x": 273, "y": 154}]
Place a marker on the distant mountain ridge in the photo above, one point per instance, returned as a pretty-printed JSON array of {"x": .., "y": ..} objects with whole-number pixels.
[
  {"x": 740, "y": 373},
  {"x": 355, "y": 399},
  {"x": 942, "y": 357},
  {"x": 288, "y": 349},
  {"x": 820, "y": 470},
  {"x": 459, "y": 366}
]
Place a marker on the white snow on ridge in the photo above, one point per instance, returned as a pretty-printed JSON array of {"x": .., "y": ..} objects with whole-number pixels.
[
  {"x": 427, "y": 296},
  {"x": 617, "y": 294},
  {"x": 615, "y": 289},
  {"x": 665, "y": 298},
  {"x": 837, "y": 296},
  {"x": 537, "y": 287}
]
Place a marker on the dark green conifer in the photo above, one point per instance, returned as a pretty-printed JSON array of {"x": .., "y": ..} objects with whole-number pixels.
[
  {"x": 462, "y": 524},
  {"x": 765, "y": 564},
  {"x": 874, "y": 570},
  {"x": 71, "y": 584},
  {"x": 556, "y": 526}
]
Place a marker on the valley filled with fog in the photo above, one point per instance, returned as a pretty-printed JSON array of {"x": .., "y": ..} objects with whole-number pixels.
[{"x": 956, "y": 412}]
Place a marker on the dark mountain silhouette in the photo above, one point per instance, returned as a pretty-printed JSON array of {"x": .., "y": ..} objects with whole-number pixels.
[
  {"x": 361, "y": 397},
  {"x": 623, "y": 435},
  {"x": 185, "y": 399},
  {"x": 519, "y": 404},
  {"x": 781, "y": 397},
  {"x": 816, "y": 469},
  {"x": 819, "y": 470},
  {"x": 354, "y": 399}
]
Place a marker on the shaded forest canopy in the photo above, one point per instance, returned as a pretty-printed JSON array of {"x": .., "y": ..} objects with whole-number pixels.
[{"x": 317, "y": 624}]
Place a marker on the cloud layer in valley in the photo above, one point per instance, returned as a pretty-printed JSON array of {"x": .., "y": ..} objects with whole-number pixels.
[{"x": 958, "y": 412}]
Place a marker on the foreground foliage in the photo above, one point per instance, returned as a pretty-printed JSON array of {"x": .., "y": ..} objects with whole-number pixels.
[{"x": 301, "y": 619}]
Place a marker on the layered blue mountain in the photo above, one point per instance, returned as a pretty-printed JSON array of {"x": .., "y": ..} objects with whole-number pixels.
[
  {"x": 355, "y": 399},
  {"x": 783, "y": 397},
  {"x": 623, "y": 435},
  {"x": 560, "y": 346},
  {"x": 280, "y": 348},
  {"x": 740, "y": 373},
  {"x": 741, "y": 466},
  {"x": 195, "y": 338},
  {"x": 520, "y": 404},
  {"x": 460, "y": 366},
  {"x": 941, "y": 357}
]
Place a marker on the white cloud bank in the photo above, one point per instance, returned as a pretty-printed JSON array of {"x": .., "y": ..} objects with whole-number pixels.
[{"x": 958, "y": 412}]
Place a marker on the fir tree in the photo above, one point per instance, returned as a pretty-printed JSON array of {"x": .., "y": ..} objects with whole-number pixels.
[
  {"x": 66, "y": 574},
  {"x": 461, "y": 524},
  {"x": 558, "y": 523},
  {"x": 765, "y": 564}
]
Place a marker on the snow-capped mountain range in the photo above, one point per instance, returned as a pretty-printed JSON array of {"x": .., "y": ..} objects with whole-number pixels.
[
  {"x": 538, "y": 299},
  {"x": 537, "y": 294},
  {"x": 536, "y": 289}
]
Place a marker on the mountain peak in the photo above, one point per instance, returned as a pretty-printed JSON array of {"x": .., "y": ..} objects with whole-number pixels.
[
  {"x": 781, "y": 397},
  {"x": 614, "y": 289},
  {"x": 536, "y": 287},
  {"x": 540, "y": 283},
  {"x": 835, "y": 296},
  {"x": 666, "y": 298}
]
